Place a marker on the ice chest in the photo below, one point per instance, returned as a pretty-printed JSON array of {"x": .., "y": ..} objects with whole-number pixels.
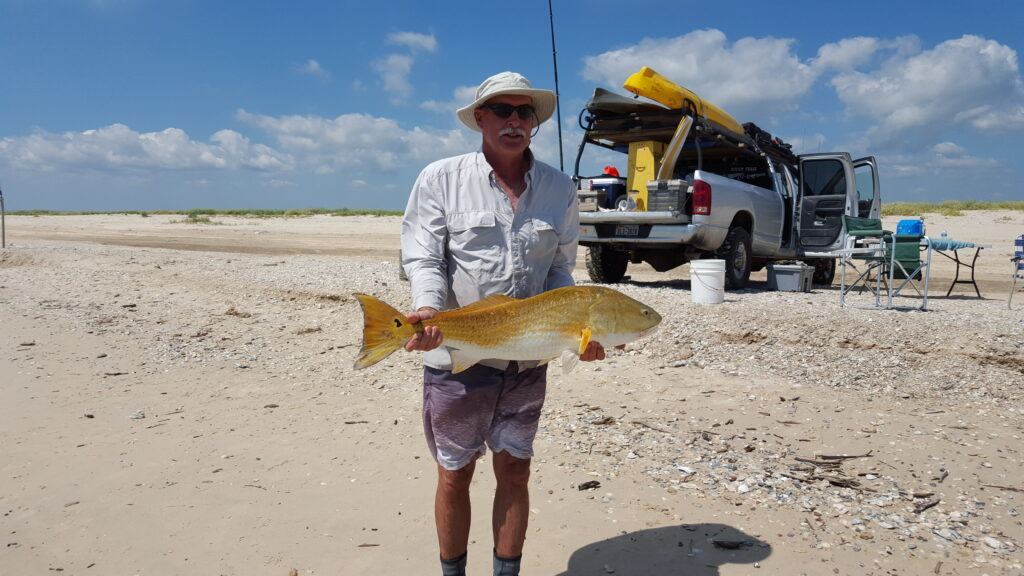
[
  {"x": 607, "y": 191},
  {"x": 910, "y": 227},
  {"x": 790, "y": 277}
]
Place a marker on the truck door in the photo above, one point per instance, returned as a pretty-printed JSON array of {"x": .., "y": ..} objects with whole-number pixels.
[
  {"x": 825, "y": 195},
  {"x": 869, "y": 195}
]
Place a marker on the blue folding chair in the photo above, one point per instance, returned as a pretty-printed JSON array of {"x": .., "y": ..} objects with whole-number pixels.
[{"x": 1018, "y": 266}]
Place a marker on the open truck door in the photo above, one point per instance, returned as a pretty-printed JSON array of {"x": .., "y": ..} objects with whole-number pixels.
[
  {"x": 825, "y": 196},
  {"x": 869, "y": 195}
]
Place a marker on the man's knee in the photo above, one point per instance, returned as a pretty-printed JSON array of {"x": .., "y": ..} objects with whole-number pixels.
[
  {"x": 511, "y": 470},
  {"x": 454, "y": 481}
]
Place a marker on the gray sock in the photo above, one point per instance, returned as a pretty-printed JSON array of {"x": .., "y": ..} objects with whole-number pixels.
[
  {"x": 506, "y": 566},
  {"x": 455, "y": 566}
]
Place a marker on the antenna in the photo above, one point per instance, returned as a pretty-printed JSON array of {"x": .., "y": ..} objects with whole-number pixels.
[{"x": 558, "y": 102}]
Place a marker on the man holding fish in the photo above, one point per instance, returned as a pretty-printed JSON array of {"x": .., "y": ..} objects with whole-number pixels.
[{"x": 482, "y": 231}]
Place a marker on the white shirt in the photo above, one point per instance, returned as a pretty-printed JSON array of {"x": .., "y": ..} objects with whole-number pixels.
[{"x": 461, "y": 240}]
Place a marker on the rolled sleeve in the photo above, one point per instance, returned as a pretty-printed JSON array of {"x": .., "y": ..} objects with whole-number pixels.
[
  {"x": 564, "y": 261},
  {"x": 424, "y": 235}
]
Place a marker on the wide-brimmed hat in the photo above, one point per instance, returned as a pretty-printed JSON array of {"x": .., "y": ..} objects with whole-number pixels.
[{"x": 508, "y": 83}]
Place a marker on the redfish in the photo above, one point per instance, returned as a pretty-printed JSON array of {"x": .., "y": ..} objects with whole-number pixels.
[{"x": 559, "y": 322}]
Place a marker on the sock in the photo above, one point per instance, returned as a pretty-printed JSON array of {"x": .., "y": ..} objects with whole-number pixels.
[
  {"x": 455, "y": 566},
  {"x": 506, "y": 566}
]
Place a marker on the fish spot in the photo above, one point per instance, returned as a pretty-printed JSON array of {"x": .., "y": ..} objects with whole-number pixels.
[{"x": 398, "y": 323}]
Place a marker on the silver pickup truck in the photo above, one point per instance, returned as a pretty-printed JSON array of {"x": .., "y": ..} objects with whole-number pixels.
[{"x": 711, "y": 193}]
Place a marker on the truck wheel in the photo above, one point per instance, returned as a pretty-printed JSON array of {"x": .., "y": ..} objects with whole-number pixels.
[
  {"x": 605, "y": 265},
  {"x": 824, "y": 271},
  {"x": 736, "y": 253}
]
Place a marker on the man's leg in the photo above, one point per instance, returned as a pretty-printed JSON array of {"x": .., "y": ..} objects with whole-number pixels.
[
  {"x": 452, "y": 510},
  {"x": 511, "y": 504}
]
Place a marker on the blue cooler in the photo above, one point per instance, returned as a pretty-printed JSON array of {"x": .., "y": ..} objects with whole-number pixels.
[
  {"x": 613, "y": 189},
  {"x": 910, "y": 227}
]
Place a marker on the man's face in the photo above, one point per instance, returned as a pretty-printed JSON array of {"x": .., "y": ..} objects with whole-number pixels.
[{"x": 507, "y": 136}]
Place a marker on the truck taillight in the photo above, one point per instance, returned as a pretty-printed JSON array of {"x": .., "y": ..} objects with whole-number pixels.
[{"x": 701, "y": 198}]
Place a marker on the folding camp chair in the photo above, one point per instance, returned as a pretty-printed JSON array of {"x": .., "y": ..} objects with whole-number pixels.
[
  {"x": 865, "y": 252},
  {"x": 1018, "y": 266},
  {"x": 903, "y": 263}
]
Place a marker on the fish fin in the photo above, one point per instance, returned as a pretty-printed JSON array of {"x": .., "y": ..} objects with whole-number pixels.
[
  {"x": 460, "y": 361},
  {"x": 488, "y": 302},
  {"x": 569, "y": 360},
  {"x": 584, "y": 340},
  {"x": 384, "y": 331}
]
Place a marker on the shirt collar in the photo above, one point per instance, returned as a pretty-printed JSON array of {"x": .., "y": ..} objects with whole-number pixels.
[{"x": 490, "y": 171}]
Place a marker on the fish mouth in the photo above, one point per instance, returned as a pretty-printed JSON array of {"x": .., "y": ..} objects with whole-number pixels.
[{"x": 648, "y": 331}]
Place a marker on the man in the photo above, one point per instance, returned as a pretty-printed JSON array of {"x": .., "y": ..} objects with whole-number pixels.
[{"x": 495, "y": 221}]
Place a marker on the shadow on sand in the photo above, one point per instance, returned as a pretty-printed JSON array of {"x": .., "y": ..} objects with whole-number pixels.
[{"x": 691, "y": 549}]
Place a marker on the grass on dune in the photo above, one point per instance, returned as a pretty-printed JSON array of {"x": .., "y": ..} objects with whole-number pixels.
[{"x": 947, "y": 208}]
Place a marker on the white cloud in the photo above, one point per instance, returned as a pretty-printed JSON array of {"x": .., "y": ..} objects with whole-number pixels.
[
  {"x": 313, "y": 68},
  {"x": 913, "y": 98},
  {"x": 414, "y": 41},
  {"x": 357, "y": 141},
  {"x": 847, "y": 53},
  {"x": 394, "y": 71},
  {"x": 461, "y": 96},
  {"x": 279, "y": 183},
  {"x": 807, "y": 144},
  {"x": 749, "y": 78},
  {"x": 117, "y": 147},
  {"x": 948, "y": 149}
]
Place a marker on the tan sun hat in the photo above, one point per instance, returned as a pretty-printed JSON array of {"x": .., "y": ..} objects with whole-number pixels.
[{"x": 508, "y": 83}]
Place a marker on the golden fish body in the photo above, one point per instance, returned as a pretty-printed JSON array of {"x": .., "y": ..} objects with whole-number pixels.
[{"x": 539, "y": 328}]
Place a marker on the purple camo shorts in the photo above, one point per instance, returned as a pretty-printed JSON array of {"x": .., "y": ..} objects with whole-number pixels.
[{"x": 481, "y": 405}]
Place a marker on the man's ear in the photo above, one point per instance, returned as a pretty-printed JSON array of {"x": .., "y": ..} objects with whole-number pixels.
[{"x": 478, "y": 115}]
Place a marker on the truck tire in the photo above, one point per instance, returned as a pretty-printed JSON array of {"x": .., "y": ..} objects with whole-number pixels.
[
  {"x": 605, "y": 265},
  {"x": 824, "y": 271},
  {"x": 736, "y": 253}
]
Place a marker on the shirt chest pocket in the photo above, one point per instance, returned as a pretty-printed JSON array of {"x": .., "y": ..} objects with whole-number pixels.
[
  {"x": 543, "y": 238},
  {"x": 474, "y": 232}
]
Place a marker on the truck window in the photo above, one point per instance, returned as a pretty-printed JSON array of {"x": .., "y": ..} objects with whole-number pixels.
[
  {"x": 865, "y": 189},
  {"x": 746, "y": 168},
  {"x": 824, "y": 178}
]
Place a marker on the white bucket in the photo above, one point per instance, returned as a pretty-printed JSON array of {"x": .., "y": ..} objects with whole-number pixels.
[{"x": 707, "y": 281}]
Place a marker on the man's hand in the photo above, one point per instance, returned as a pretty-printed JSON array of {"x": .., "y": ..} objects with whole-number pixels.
[
  {"x": 595, "y": 351},
  {"x": 431, "y": 336}
]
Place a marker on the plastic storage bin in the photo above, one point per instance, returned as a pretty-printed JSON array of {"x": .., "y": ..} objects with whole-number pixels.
[{"x": 790, "y": 277}]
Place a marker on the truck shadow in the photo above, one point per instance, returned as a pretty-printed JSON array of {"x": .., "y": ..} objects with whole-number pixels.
[{"x": 691, "y": 549}]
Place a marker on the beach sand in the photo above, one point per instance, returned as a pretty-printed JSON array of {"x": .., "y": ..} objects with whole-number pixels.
[{"x": 178, "y": 398}]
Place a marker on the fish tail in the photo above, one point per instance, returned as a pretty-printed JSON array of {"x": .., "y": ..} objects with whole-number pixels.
[{"x": 384, "y": 331}]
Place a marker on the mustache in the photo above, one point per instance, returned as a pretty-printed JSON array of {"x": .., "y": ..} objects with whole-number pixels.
[{"x": 511, "y": 131}]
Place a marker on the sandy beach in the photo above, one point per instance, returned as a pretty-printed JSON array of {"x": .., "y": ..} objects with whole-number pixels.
[{"x": 178, "y": 398}]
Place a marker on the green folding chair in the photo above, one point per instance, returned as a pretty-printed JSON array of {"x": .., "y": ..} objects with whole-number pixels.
[
  {"x": 903, "y": 263},
  {"x": 865, "y": 252}
]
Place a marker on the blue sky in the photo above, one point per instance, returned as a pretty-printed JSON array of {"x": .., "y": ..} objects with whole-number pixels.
[{"x": 140, "y": 104}]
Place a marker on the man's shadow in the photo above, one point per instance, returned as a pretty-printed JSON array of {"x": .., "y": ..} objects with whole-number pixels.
[{"x": 691, "y": 549}]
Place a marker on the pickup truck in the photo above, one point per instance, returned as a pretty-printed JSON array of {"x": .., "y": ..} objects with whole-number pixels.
[{"x": 696, "y": 188}]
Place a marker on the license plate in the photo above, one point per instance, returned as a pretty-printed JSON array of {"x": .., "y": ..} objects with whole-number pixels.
[{"x": 627, "y": 230}]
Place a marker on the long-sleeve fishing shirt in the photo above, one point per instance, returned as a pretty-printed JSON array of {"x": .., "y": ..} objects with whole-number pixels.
[{"x": 462, "y": 241}]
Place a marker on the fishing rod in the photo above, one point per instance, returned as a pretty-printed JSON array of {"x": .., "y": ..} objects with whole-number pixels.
[
  {"x": 3, "y": 222},
  {"x": 558, "y": 103}
]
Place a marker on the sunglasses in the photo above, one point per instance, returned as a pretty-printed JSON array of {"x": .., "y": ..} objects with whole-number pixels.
[{"x": 501, "y": 110}]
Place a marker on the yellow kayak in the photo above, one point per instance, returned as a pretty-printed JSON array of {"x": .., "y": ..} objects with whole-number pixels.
[{"x": 650, "y": 84}]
